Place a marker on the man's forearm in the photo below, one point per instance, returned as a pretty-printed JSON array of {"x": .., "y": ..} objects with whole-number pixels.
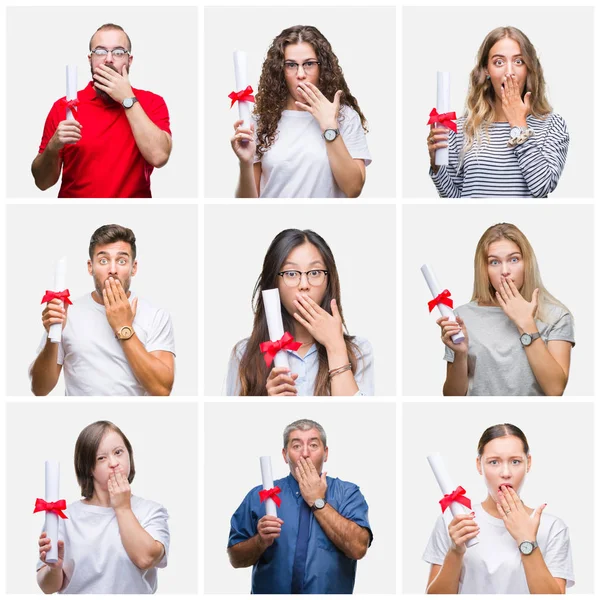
[
  {"x": 50, "y": 580},
  {"x": 154, "y": 376},
  {"x": 153, "y": 143},
  {"x": 46, "y": 168},
  {"x": 347, "y": 536},
  {"x": 539, "y": 578},
  {"x": 45, "y": 371},
  {"x": 447, "y": 579},
  {"x": 144, "y": 551},
  {"x": 246, "y": 553}
]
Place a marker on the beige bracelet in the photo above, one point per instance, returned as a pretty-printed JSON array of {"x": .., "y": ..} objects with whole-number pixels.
[
  {"x": 521, "y": 138},
  {"x": 334, "y": 372}
]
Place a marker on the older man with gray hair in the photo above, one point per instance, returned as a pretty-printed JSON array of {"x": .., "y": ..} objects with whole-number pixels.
[{"x": 321, "y": 531}]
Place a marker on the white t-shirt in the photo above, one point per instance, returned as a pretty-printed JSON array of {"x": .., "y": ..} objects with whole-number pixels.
[
  {"x": 93, "y": 360},
  {"x": 95, "y": 559},
  {"x": 494, "y": 565},
  {"x": 297, "y": 166}
]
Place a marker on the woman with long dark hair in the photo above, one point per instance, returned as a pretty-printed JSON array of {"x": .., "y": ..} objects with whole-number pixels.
[
  {"x": 329, "y": 361},
  {"x": 308, "y": 139}
]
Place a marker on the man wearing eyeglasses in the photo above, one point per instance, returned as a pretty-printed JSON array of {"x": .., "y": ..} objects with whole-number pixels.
[{"x": 117, "y": 136}]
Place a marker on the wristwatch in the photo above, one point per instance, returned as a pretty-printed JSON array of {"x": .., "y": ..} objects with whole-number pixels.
[
  {"x": 527, "y": 548},
  {"x": 518, "y": 135},
  {"x": 527, "y": 338},
  {"x": 124, "y": 333},
  {"x": 319, "y": 504},
  {"x": 129, "y": 102},
  {"x": 331, "y": 134},
  {"x": 516, "y": 131}
]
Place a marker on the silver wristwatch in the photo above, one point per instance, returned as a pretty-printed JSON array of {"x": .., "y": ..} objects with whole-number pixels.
[
  {"x": 318, "y": 505},
  {"x": 527, "y": 338},
  {"x": 331, "y": 134},
  {"x": 527, "y": 548},
  {"x": 129, "y": 102}
]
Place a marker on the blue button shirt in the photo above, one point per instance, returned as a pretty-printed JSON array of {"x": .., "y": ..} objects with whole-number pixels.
[{"x": 328, "y": 570}]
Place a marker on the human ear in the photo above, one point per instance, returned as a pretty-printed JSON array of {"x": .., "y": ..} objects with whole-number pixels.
[{"x": 478, "y": 464}]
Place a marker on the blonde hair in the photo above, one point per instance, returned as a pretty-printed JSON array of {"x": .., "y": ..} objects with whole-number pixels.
[
  {"x": 480, "y": 105},
  {"x": 483, "y": 290}
]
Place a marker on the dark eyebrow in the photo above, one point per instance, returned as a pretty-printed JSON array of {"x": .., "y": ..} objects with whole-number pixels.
[
  {"x": 299, "y": 440},
  {"x": 511, "y": 254},
  {"x": 502, "y": 56},
  {"x": 105, "y": 253}
]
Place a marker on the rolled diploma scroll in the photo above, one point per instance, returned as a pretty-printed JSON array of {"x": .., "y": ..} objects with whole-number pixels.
[
  {"x": 240, "y": 65},
  {"x": 71, "y": 87},
  {"x": 267, "y": 481},
  {"x": 60, "y": 283},
  {"x": 52, "y": 495},
  {"x": 443, "y": 106},
  {"x": 275, "y": 323},
  {"x": 445, "y": 482},
  {"x": 436, "y": 290}
]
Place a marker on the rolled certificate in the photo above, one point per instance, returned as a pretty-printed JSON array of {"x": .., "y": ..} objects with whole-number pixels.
[
  {"x": 240, "y": 66},
  {"x": 445, "y": 482},
  {"x": 267, "y": 481},
  {"x": 71, "y": 87},
  {"x": 275, "y": 323},
  {"x": 52, "y": 495},
  {"x": 60, "y": 283},
  {"x": 443, "y": 106},
  {"x": 436, "y": 289}
]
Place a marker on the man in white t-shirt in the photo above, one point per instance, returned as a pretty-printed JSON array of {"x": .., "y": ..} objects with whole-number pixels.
[{"x": 113, "y": 343}]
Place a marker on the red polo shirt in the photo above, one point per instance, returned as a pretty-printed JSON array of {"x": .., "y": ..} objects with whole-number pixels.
[{"x": 106, "y": 162}]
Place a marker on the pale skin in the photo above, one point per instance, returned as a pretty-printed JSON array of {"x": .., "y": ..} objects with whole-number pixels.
[
  {"x": 303, "y": 94},
  {"x": 305, "y": 454},
  {"x": 503, "y": 465},
  {"x": 550, "y": 362},
  {"x": 111, "y": 490},
  {"x": 112, "y": 269},
  {"x": 110, "y": 75}
]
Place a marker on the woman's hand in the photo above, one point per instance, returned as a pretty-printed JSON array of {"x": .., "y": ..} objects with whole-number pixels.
[
  {"x": 326, "y": 113},
  {"x": 516, "y": 308},
  {"x": 515, "y": 109},
  {"x": 522, "y": 526},
  {"x": 281, "y": 382},
  {"x": 437, "y": 138},
  {"x": 243, "y": 143},
  {"x": 118, "y": 490},
  {"x": 326, "y": 328},
  {"x": 462, "y": 529},
  {"x": 45, "y": 544},
  {"x": 450, "y": 328}
]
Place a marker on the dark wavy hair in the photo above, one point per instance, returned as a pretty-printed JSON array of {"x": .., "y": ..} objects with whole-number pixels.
[
  {"x": 272, "y": 92},
  {"x": 253, "y": 371}
]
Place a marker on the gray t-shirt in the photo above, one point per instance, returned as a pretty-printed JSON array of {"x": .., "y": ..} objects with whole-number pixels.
[{"x": 497, "y": 363}]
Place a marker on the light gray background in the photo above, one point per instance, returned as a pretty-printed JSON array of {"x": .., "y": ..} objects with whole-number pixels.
[
  {"x": 362, "y": 239},
  {"x": 41, "y": 41},
  {"x": 567, "y": 60},
  {"x": 445, "y": 237},
  {"x": 368, "y": 61},
  {"x": 164, "y": 440},
  {"x": 166, "y": 239},
  {"x": 359, "y": 435},
  {"x": 560, "y": 437}
]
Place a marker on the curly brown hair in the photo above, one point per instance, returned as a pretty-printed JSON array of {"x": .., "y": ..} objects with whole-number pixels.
[{"x": 272, "y": 94}]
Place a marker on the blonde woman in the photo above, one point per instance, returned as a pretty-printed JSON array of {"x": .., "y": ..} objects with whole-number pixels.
[
  {"x": 509, "y": 142},
  {"x": 518, "y": 337}
]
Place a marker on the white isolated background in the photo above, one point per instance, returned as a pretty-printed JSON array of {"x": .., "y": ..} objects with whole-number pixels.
[
  {"x": 560, "y": 437},
  {"x": 362, "y": 37},
  {"x": 562, "y": 239},
  {"x": 566, "y": 57},
  {"x": 41, "y": 41},
  {"x": 167, "y": 276},
  {"x": 360, "y": 435},
  {"x": 362, "y": 239},
  {"x": 164, "y": 438}
]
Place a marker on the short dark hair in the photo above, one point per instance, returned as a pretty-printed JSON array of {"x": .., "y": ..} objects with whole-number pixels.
[
  {"x": 501, "y": 430},
  {"x": 109, "y": 26},
  {"x": 109, "y": 234},
  {"x": 86, "y": 448}
]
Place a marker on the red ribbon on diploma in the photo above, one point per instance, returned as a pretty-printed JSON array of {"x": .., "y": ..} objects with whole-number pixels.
[
  {"x": 441, "y": 298},
  {"x": 458, "y": 495},
  {"x": 270, "y": 349},
  {"x": 272, "y": 493},
  {"x": 242, "y": 96},
  {"x": 53, "y": 507},
  {"x": 72, "y": 106},
  {"x": 64, "y": 296},
  {"x": 445, "y": 119}
]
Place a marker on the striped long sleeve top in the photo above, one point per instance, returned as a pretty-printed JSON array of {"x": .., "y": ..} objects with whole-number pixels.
[{"x": 492, "y": 169}]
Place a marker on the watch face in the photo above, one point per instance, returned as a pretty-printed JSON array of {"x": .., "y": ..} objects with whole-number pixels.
[
  {"x": 515, "y": 132},
  {"x": 125, "y": 333},
  {"x": 525, "y": 339},
  {"x": 526, "y": 547},
  {"x": 128, "y": 102},
  {"x": 319, "y": 503},
  {"x": 330, "y": 135}
]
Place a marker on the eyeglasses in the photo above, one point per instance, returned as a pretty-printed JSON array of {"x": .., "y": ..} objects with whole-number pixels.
[
  {"x": 116, "y": 52},
  {"x": 309, "y": 66},
  {"x": 315, "y": 277}
]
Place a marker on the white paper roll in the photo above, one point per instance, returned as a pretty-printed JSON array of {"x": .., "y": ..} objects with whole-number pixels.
[
  {"x": 52, "y": 495},
  {"x": 267, "y": 480},
  {"x": 240, "y": 66},
  {"x": 60, "y": 284},
  {"x": 71, "y": 87},
  {"x": 436, "y": 289},
  {"x": 443, "y": 106},
  {"x": 275, "y": 323},
  {"x": 446, "y": 485}
]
